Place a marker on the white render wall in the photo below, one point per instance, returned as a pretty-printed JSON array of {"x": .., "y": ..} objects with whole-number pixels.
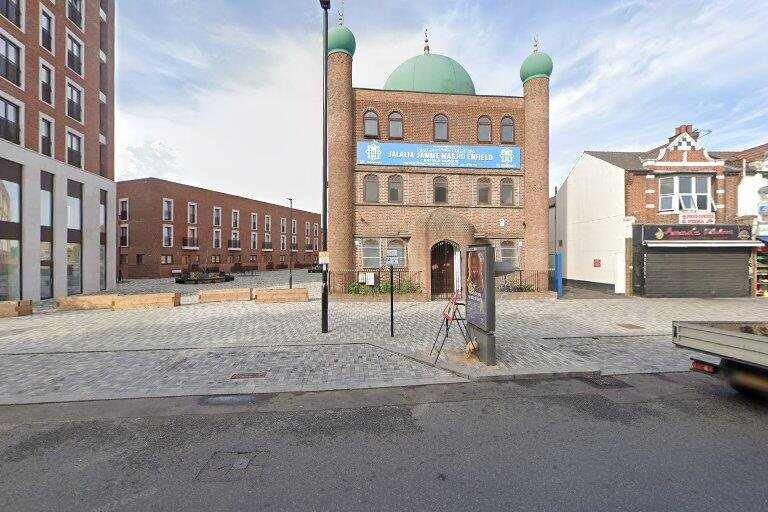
[
  {"x": 32, "y": 163},
  {"x": 748, "y": 196},
  {"x": 591, "y": 222}
]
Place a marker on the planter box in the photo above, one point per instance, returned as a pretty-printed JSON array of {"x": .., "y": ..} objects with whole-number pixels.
[
  {"x": 13, "y": 308},
  {"x": 147, "y": 301},
  {"x": 281, "y": 295},
  {"x": 85, "y": 302},
  {"x": 226, "y": 295}
]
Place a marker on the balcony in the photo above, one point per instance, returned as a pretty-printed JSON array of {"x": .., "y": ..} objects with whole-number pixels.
[
  {"x": 9, "y": 131},
  {"x": 74, "y": 157},
  {"x": 266, "y": 246},
  {"x": 74, "y": 110},
  {"x": 11, "y": 10},
  {"x": 10, "y": 70},
  {"x": 45, "y": 39},
  {"x": 75, "y": 63},
  {"x": 45, "y": 92},
  {"x": 190, "y": 243},
  {"x": 45, "y": 146},
  {"x": 233, "y": 245},
  {"x": 74, "y": 14}
]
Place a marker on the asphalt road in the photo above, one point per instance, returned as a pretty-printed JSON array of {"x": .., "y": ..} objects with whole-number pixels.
[{"x": 660, "y": 442}]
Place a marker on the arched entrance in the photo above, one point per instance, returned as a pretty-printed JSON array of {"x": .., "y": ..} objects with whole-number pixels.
[{"x": 444, "y": 268}]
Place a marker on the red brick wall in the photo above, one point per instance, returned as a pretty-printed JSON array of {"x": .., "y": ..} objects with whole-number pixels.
[{"x": 146, "y": 234}]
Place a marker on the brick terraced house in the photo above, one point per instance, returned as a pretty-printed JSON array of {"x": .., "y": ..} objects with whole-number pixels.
[
  {"x": 57, "y": 185},
  {"x": 674, "y": 221},
  {"x": 165, "y": 227},
  {"x": 425, "y": 167}
]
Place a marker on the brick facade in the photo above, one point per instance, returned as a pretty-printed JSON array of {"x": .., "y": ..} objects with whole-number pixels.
[{"x": 145, "y": 225}]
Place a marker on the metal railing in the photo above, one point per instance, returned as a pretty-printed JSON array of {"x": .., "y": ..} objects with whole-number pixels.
[
  {"x": 359, "y": 281},
  {"x": 523, "y": 281}
]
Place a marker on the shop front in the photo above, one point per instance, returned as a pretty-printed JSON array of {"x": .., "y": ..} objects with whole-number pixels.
[{"x": 684, "y": 260}]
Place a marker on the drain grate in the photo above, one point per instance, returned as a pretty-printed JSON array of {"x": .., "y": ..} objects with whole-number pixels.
[
  {"x": 631, "y": 326},
  {"x": 231, "y": 466},
  {"x": 251, "y": 375},
  {"x": 604, "y": 382}
]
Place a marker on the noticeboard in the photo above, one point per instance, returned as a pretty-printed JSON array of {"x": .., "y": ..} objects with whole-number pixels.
[
  {"x": 481, "y": 296},
  {"x": 392, "y": 258}
]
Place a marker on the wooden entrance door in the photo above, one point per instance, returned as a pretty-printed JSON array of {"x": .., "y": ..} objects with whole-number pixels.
[{"x": 442, "y": 269}]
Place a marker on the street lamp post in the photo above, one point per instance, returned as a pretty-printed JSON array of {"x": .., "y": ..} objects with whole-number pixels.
[
  {"x": 325, "y": 4},
  {"x": 290, "y": 252}
]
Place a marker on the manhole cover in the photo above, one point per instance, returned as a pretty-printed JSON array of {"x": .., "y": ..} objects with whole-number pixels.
[
  {"x": 604, "y": 382},
  {"x": 251, "y": 375},
  {"x": 631, "y": 326},
  {"x": 231, "y": 466}
]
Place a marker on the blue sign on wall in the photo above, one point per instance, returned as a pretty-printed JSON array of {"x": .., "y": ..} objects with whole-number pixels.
[{"x": 372, "y": 152}]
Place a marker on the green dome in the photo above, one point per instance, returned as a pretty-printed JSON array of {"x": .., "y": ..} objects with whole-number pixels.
[
  {"x": 341, "y": 39},
  {"x": 431, "y": 73},
  {"x": 537, "y": 64}
]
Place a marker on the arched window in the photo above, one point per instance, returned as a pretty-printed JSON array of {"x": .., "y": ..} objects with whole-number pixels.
[
  {"x": 440, "y": 190},
  {"x": 484, "y": 129},
  {"x": 484, "y": 191},
  {"x": 371, "y": 124},
  {"x": 441, "y": 128},
  {"x": 395, "y": 189},
  {"x": 509, "y": 195},
  {"x": 399, "y": 246},
  {"x": 371, "y": 188},
  {"x": 395, "y": 125},
  {"x": 371, "y": 253},
  {"x": 510, "y": 253},
  {"x": 507, "y": 129}
]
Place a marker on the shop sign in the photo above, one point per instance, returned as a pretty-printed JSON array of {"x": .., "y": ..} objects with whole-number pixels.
[
  {"x": 481, "y": 299},
  {"x": 694, "y": 232},
  {"x": 697, "y": 218},
  {"x": 392, "y": 258},
  {"x": 372, "y": 152}
]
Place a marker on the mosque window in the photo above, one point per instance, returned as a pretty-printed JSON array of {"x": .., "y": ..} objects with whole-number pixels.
[
  {"x": 441, "y": 128},
  {"x": 395, "y": 125},
  {"x": 371, "y": 124},
  {"x": 371, "y": 253},
  {"x": 507, "y": 129},
  {"x": 484, "y": 129},
  {"x": 440, "y": 190},
  {"x": 510, "y": 253},
  {"x": 509, "y": 192},
  {"x": 399, "y": 247},
  {"x": 395, "y": 189},
  {"x": 371, "y": 189},
  {"x": 484, "y": 191}
]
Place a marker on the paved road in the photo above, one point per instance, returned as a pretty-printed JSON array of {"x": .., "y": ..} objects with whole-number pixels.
[{"x": 646, "y": 442}]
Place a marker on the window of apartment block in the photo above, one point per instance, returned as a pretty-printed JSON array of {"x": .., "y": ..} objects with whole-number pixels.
[
  {"x": 307, "y": 228},
  {"x": 192, "y": 213},
  {"x": 167, "y": 236},
  {"x": 140, "y": 258},
  {"x": 215, "y": 258},
  {"x": 217, "y": 216},
  {"x": 294, "y": 243},
  {"x": 294, "y": 228},
  {"x": 268, "y": 241},
  {"x": 46, "y": 136},
  {"x": 46, "y": 203},
  {"x": 267, "y": 223},
  {"x": 685, "y": 193},
  {"x": 283, "y": 225},
  {"x": 217, "y": 239},
  {"x": 74, "y": 268},
  {"x": 10, "y": 243},
  {"x": 307, "y": 244},
  {"x": 103, "y": 211},
  {"x": 168, "y": 209},
  {"x": 166, "y": 259},
  {"x": 9, "y": 121},
  {"x": 46, "y": 83},
  {"x": 235, "y": 219},
  {"x": 46, "y": 269},
  {"x": 123, "y": 209},
  {"x": 10, "y": 195},
  {"x": 315, "y": 244},
  {"x": 74, "y": 149},
  {"x": 123, "y": 236},
  {"x": 316, "y": 229},
  {"x": 74, "y": 101},
  {"x": 10, "y": 60},
  {"x": 192, "y": 240},
  {"x": 11, "y": 10},
  {"x": 74, "y": 55},
  {"x": 46, "y": 30},
  {"x": 282, "y": 242},
  {"x": 75, "y": 12},
  {"x": 252, "y": 258},
  {"x": 254, "y": 240},
  {"x": 74, "y": 213},
  {"x": 254, "y": 221}
]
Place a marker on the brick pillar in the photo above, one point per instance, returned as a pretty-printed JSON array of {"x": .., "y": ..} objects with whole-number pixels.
[
  {"x": 536, "y": 172},
  {"x": 341, "y": 162}
]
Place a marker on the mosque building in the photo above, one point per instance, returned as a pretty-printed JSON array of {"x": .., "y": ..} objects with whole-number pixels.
[{"x": 425, "y": 167}]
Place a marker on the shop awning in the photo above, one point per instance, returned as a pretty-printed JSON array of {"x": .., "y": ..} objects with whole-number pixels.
[
  {"x": 703, "y": 243},
  {"x": 764, "y": 239}
]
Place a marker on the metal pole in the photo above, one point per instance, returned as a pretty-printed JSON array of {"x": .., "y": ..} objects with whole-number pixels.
[
  {"x": 325, "y": 4},
  {"x": 290, "y": 253},
  {"x": 391, "y": 301}
]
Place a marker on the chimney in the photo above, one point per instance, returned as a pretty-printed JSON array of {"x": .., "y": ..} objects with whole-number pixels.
[{"x": 684, "y": 128}]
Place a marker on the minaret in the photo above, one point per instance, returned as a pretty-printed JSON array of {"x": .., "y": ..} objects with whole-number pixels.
[
  {"x": 341, "y": 149},
  {"x": 535, "y": 73}
]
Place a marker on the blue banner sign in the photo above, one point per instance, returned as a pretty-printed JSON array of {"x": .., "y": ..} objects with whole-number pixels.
[{"x": 372, "y": 152}]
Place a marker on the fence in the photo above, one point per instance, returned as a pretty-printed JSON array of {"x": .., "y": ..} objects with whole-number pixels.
[
  {"x": 523, "y": 281},
  {"x": 371, "y": 281}
]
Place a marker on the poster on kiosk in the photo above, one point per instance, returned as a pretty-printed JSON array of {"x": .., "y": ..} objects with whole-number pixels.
[{"x": 481, "y": 300}]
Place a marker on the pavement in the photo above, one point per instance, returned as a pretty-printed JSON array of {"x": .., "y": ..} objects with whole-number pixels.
[
  {"x": 198, "y": 348},
  {"x": 675, "y": 441}
]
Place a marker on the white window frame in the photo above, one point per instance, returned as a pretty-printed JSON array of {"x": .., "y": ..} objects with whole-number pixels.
[
  {"x": 52, "y": 51},
  {"x": 267, "y": 223},
  {"x": 127, "y": 235},
  {"x": 677, "y": 196},
  {"x": 267, "y": 239},
  {"x": 82, "y": 147},
  {"x": 72, "y": 83},
  {"x": 82, "y": 53},
  {"x": 163, "y": 211},
  {"x": 307, "y": 228},
  {"x": 47, "y": 64},
  {"x": 192, "y": 232},
  {"x": 254, "y": 240},
  {"x": 21, "y": 119},
  {"x": 294, "y": 241},
  {"x": 217, "y": 209},
  {"x": 235, "y": 235},
  {"x": 127, "y": 207},
  {"x": 22, "y": 60},
  {"x": 517, "y": 248},
  {"x": 283, "y": 225},
  {"x": 22, "y": 16},
  {"x": 197, "y": 212},
  {"x": 316, "y": 230},
  {"x": 235, "y": 215},
  {"x": 254, "y": 221},
  {"x": 216, "y": 241},
  {"x": 307, "y": 244},
  {"x": 82, "y": 15},
  {"x": 294, "y": 227},
  {"x": 363, "y": 257},
  {"x": 167, "y": 226},
  {"x": 282, "y": 242},
  {"x": 40, "y": 135},
  {"x": 315, "y": 244}
]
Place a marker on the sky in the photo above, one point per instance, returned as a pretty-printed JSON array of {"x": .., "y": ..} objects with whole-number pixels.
[{"x": 227, "y": 94}]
